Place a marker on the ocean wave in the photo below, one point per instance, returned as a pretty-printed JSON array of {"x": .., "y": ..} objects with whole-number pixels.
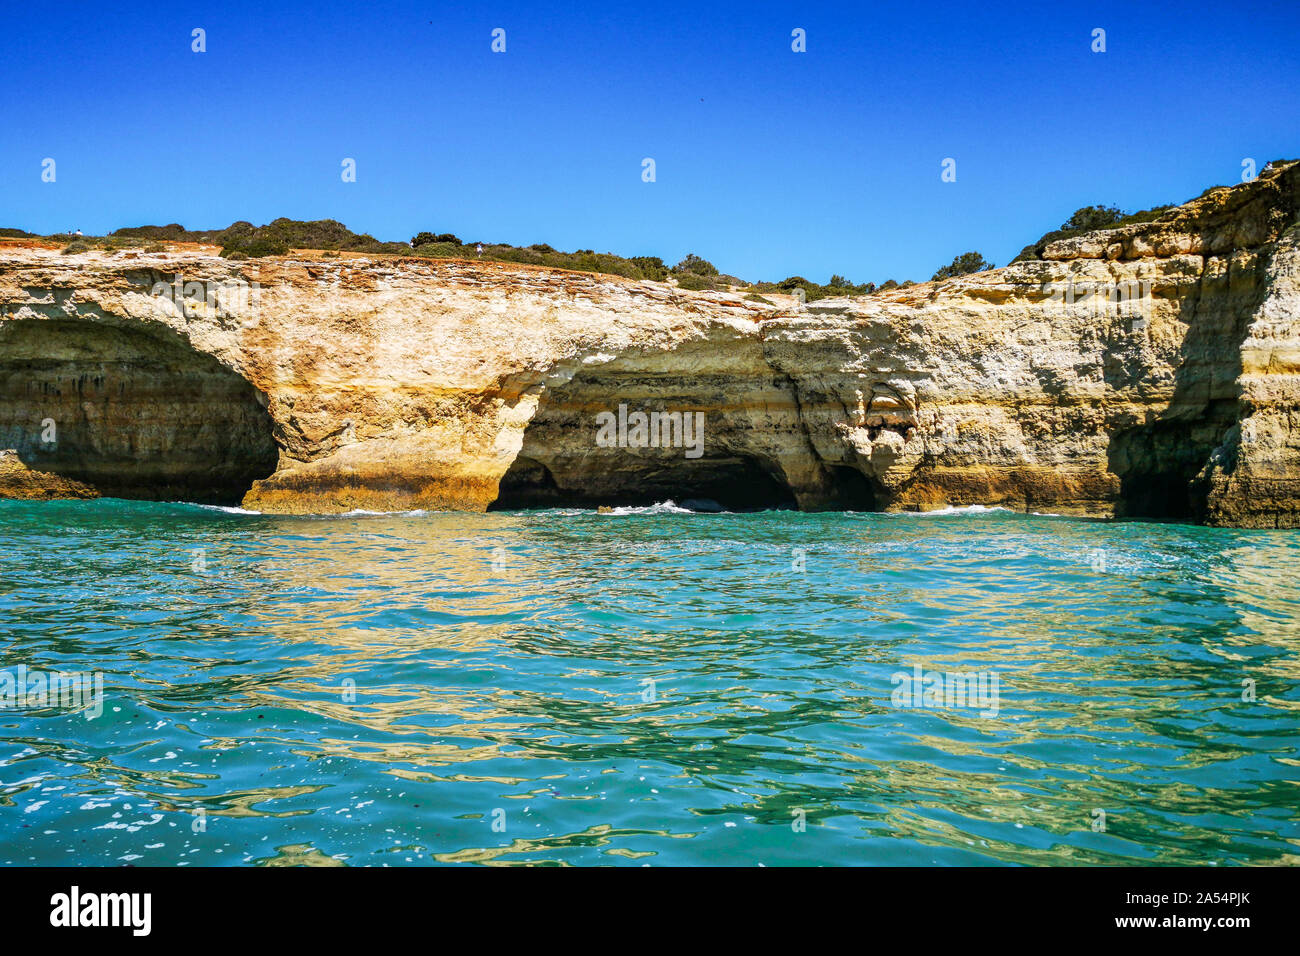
[
  {"x": 225, "y": 509},
  {"x": 952, "y": 510},
  {"x": 354, "y": 513},
  {"x": 668, "y": 507}
]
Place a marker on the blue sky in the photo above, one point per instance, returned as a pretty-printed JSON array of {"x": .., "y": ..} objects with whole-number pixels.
[{"x": 769, "y": 162}]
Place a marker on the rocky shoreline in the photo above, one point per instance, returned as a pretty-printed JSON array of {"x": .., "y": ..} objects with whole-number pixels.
[{"x": 1151, "y": 370}]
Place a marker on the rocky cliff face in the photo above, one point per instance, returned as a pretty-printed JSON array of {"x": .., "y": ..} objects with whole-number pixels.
[{"x": 1147, "y": 371}]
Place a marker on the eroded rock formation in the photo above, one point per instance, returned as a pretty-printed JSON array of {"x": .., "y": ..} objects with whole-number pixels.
[{"x": 1150, "y": 370}]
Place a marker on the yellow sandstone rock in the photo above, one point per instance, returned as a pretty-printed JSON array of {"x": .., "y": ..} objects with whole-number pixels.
[{"x": 1152, "y": 369}]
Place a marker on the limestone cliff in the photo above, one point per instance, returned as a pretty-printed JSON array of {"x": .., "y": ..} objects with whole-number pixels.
[{"x": 1146, "y": 370}]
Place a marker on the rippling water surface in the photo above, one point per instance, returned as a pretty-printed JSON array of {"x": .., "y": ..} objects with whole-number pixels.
[{"x": 648, "y": 687}]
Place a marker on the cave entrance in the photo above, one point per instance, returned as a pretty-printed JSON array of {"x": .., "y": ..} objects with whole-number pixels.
[
  {"x": 851, "y": 490},
  {"x": 1159, "y": 464},
  {"x": 129, "y": 414},
  {"x": 706, "y": 430},
  {"x": 732, "y": 483}
]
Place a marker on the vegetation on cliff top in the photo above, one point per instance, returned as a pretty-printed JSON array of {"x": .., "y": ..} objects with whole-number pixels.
[
  {"x": 1091, "y": 219},
  {"x": 242, "y": 240},
  {"x": 449, "y": 246},
  {"x": 836, "y": 286},
  {"x": 1094, "y": 218},
  {"x": 963, "y": 265}
]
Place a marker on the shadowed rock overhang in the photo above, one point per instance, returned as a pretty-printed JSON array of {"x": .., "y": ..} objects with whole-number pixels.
[{"x": 88, "y": 409}]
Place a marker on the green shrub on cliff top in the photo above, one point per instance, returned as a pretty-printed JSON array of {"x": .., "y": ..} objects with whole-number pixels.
[
  {"x": 964, "y": 264},
  {"x": 173, "y": 232},
  {"x": 651, "y": 267},
  {"x": 427, "y": 238},
  {"x": 281, "y": 235},
  {"x": 692, "y": 282},
  {"x": 1094, "y": 217},
  {"x": 695, "y": 265},
  {"x": 837, "y": 287}
]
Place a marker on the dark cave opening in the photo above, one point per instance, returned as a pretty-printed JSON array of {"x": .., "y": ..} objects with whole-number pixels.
[
  {"x": 1159, "y": 464},
  {"x": 851, "y": 490},
  {"x": 735, "y": 483}
]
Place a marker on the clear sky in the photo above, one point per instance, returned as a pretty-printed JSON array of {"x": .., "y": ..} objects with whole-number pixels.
[{"x": 769, "y": 162}]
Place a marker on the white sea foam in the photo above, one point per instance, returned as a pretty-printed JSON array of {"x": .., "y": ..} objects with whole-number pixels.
[
  {"x": 668, "y": 507},
  {"x": 228, "y": 509},
  {"x": 354, "y": 513},
  {"x": 953, "y": 510}
]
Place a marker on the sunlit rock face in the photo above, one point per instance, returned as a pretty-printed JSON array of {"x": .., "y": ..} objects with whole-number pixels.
[{"x": 1149, "y": 370}]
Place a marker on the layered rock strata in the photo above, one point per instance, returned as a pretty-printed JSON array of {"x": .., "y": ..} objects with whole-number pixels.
[{"x": 1150, "y": 370}]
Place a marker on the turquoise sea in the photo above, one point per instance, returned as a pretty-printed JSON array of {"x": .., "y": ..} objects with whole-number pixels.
[{"x": 645, "y": 687}]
